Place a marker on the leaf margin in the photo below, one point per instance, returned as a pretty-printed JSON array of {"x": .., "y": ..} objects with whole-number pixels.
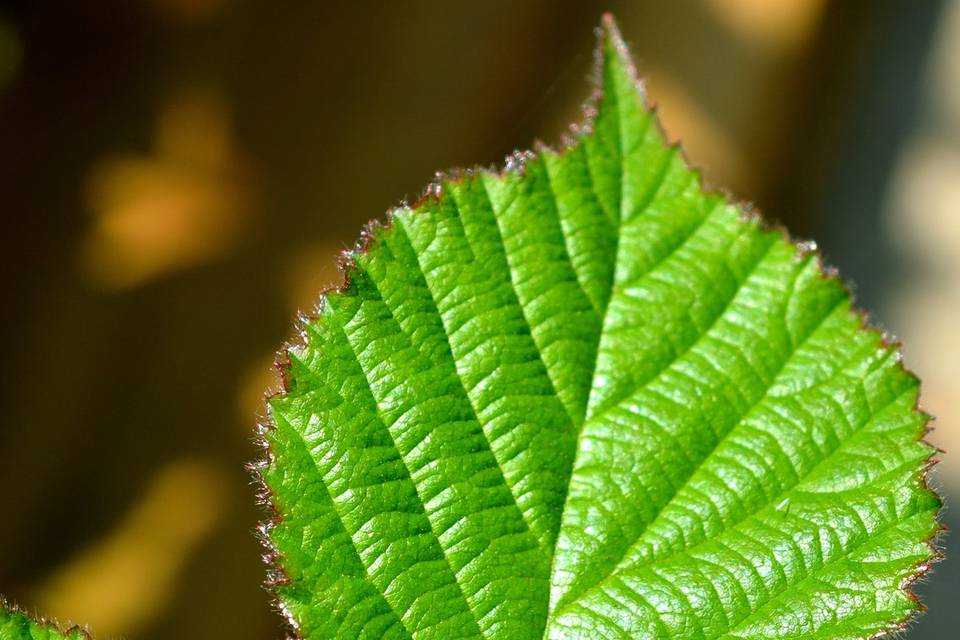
[{"x": 11, "y": 613}]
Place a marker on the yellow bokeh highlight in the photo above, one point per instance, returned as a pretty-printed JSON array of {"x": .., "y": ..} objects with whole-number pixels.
[
  {"x": 121, "y": 583},
  {"x": 782, "y": 25},
  {"x": 182, "y": 206}
]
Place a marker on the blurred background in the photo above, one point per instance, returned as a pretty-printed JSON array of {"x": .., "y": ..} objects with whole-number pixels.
[{"x": 177, "y": 177}]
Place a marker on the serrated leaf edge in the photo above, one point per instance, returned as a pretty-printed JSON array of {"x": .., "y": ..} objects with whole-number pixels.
[{"x": 48, "y": 623}]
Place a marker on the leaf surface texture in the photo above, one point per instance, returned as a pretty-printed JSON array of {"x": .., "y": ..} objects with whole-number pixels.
[{"x": 585, "y": 398}]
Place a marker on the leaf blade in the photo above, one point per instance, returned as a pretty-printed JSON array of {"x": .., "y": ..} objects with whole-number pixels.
[{"x": 613, "y": 405}]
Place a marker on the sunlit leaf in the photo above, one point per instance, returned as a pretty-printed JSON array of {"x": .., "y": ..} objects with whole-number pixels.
[{"x": 586, "y": 398}]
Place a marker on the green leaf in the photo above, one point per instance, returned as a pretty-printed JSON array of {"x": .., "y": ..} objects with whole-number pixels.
[
  {"x": 16, "y": 625},
  {"x": 586, "y": 398}
]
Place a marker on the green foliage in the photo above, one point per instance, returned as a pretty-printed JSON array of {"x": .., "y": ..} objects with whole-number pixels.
[
  {"x": 15, "y": 625},
  {"x": 585, "y": 398}
]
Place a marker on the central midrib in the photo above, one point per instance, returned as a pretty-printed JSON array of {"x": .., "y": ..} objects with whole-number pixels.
[{"x": 603, "y": 320}]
